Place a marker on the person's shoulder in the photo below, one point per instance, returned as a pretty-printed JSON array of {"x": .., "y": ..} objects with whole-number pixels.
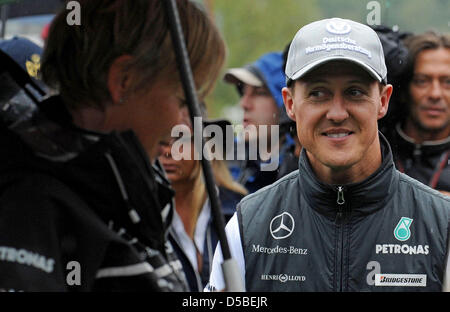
[
  {"x": 43, "y": 198},
  {"x": 423, "y": 193},
  {"x": 42, "y": 216},
  {"x": 30, "y": 187},
  {"x": 40, "y": 206},
  {"x": 272, "y": 192}
]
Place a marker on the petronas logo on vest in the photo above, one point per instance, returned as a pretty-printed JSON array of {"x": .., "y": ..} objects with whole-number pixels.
[{"x": 402, "y": 231}]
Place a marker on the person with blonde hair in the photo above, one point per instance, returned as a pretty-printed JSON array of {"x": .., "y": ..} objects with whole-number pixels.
[
  {"x": 81, "y": 206},
  {"x": 192, "y": 234}
]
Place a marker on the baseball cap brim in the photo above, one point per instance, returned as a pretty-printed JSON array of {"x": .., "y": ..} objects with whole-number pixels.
[
  {"x": 236, "y": 75},
  {"x": 308, "y": 68}
]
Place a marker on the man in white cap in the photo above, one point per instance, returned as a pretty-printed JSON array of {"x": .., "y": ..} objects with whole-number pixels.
[
  {"x": 347, "y": 220},
  {"x": 259, "y": 85}
]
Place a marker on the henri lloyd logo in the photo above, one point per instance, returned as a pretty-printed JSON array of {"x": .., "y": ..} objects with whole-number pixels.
[
  {"x": 408, "y": 280},
  {"x": 338, "y": 27},
  {"x": 282, "y": 226},
  {"x": 283, "y": 278}
]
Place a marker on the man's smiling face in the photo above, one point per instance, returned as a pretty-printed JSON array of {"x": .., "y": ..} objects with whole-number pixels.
[{"x": 336, "y": 107}]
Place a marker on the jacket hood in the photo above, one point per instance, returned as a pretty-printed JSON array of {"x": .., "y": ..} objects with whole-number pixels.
[{"x": 269, "y": 68}]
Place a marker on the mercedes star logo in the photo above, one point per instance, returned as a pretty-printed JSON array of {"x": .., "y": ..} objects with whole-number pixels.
[
  {"x": 282, "y": 226},
  {"x": 338, "y": 27}
]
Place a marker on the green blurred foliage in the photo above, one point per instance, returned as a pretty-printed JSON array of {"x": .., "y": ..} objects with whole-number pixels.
[
  {"x": 408, "y": 15},
  {"x": 7, "y": 1},
  {"x": 254, "y": 27}
]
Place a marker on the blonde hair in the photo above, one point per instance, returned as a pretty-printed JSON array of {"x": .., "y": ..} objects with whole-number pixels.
[
  {"x": 199, "y": 196},
  {"x": 223, "y": 177},
  {"x": 76, "y": 59}
]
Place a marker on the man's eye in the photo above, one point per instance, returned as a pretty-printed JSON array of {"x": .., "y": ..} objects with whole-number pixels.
[
  {"x": 355, "y": 92},
  {"x": 420, "y": 81},
  {"x": 262, "y": 92},
  {"x": 446, "y": 83},
  {"x": 317, "y": 94}
]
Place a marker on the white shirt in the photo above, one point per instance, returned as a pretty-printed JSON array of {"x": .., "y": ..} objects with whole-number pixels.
[
  {"x": 187, "y": 244},
  {"x": 234, "y": 242}
]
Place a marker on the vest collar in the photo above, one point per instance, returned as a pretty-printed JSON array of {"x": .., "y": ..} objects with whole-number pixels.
[{"x": 360, "y": 198}]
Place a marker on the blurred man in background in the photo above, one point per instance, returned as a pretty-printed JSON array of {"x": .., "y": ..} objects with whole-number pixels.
[
  {"x": 259, "y": 85},
  {"x": 421, "y": 141}
]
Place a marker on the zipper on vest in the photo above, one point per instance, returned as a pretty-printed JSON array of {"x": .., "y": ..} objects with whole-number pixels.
[
  {"x": 340, "y": 196},
  {"x": 340, "y": 244}
]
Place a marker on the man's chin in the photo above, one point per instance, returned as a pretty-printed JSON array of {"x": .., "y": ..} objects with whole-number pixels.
[
  {"x": 335, "y": 161},
  {"x": 432, "y": 125},
  {"x": 338, "y": 165}
]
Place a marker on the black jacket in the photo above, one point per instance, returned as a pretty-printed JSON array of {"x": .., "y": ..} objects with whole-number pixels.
[
  {"x": 69, "y": 196},
  {"x": 386, "y": 233},
  {"x": 428, "y": 162}
]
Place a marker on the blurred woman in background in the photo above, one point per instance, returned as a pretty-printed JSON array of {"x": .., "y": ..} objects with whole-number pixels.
[{"x": 192, "y": 234}]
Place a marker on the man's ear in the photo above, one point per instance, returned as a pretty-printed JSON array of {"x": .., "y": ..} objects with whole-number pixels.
[
  {"x": 288, "y": 100},
  {"x": 385, "y": 96},
  {"x": 118, "y": 79}
]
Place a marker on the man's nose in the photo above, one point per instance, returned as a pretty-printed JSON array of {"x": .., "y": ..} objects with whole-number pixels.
[
  {"x": 246, "y": 100},
  {"x": 436, "y": 90},
  {"x": 337, "y": 111}
]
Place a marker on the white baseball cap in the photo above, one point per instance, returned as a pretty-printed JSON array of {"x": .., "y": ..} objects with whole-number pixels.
[
  {"x": 335, "y": 39},
  {"x": 243, "y": 74}
]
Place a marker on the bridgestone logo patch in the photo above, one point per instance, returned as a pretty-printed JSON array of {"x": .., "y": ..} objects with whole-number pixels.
[{"x": 409, "y": 280}]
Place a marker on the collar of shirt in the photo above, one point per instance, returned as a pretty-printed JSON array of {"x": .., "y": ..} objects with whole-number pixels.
[{"x": 187, "y": 244}]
